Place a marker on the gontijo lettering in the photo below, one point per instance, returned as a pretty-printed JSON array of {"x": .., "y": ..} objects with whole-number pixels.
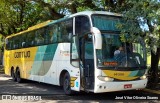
[{"x": 22, "y": 54}]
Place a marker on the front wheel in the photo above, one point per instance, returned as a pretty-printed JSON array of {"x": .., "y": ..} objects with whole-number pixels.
[{"x": 66, "y": 84}]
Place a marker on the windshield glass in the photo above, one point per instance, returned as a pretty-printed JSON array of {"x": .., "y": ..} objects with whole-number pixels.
[
  {"x": 115, "y": 53},
  {"x": 104, "y": 22}
]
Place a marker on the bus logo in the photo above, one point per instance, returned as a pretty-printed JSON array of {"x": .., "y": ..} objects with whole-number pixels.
[
  {"x": 22, "y": 54},
  {"x": 64, "y": 53}
]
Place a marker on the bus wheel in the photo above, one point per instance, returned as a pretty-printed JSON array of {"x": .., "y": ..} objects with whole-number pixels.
[
  {"x": 18, "y": 76},
  {"x": 66, "y": 84},
  {"x": 13, "y": 75}
]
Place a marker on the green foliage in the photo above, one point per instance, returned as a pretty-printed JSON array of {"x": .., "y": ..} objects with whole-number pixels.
[
  {"x": 1, "y": 42},
  {"x": 142, "y": 20},
  {"x": 18, "y": 15}
]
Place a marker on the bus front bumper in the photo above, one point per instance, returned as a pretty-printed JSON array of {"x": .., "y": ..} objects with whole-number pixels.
[{"x": 119, "y": 86}]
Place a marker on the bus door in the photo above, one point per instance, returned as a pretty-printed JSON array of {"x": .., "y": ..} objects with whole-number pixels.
[
  {"x": 87, "y": 61},
  {"x": 75, "y": 62}
]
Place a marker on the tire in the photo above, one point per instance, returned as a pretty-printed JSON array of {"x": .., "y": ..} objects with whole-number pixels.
[
  {"x": 13, "y": 75},
  {"x": 18, "y": 76},
  {"x": 67, "y": 85}
]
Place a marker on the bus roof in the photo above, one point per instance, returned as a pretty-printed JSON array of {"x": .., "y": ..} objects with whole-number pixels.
[
  {"x": 95, "y": 12},
  {"x": 87, "y": 13}
]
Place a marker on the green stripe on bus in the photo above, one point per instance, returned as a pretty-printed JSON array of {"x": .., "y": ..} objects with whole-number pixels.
[
  {"x": 44, "y": 53},
  {"x": 50, "y": 52},
  {"x": 133, "y": 73},
  {"x": 137, "y": 73}
]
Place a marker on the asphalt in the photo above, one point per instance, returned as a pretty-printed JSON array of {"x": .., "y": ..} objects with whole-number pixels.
[{"x": 154, "y": 89}]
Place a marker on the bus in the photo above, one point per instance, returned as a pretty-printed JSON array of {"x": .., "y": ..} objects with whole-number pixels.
[{"x": 77, "y": 53}]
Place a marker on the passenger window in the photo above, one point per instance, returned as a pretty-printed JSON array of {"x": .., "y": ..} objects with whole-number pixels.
[
  {"x": 31, "y": 39},
  {"x": 39, "y": 36},
  {"x": 23, "y": 42},
  {"x": 64, "y": 31},
  {"x": 52, "y": 32},
  {"x": 59, "y": 31},
  {"x": 67, "y": 27}
]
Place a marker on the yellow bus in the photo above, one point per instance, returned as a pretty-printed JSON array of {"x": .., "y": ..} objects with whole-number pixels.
[{"x": 78, "y": 53}]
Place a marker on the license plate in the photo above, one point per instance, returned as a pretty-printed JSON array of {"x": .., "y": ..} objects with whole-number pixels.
[{"x": 126, "y": 86}]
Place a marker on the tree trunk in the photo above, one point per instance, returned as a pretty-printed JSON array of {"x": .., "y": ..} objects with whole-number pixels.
[{"x": 153, "y": 72}]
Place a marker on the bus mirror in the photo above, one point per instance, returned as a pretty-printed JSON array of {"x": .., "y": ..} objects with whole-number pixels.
[{"x": 98, "y": 37}]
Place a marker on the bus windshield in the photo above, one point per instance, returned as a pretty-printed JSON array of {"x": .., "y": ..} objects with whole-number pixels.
[
  {"x": 115, "y": 53},
  {"x": 103, "y": 22}
]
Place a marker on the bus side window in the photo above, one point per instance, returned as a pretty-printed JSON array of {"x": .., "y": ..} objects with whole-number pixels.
[
  {"x": 63, "y": 32},
  {"x": 67, "y": 30},
  {"x": 15, "y": 43},
  {"x": 39, "y": 37},
  {"x": 22, "y": 41},
  {"x": 11, "y": 43},
  {"x": 8, "y": 43},
  {"x": 30, "y": 39},
  {"x": 52, "y": 33},
  {"x": 19, "y": 40},
  {"x": 54, "y": 36},
  {"x": 59, "y": 36},
  {"x": 45, "y": 36}
]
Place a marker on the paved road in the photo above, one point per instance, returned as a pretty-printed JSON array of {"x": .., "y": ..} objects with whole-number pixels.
[{"x": 54, "y": 94}]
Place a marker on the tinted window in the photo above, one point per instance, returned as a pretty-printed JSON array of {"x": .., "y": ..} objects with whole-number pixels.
[
  {"x": 52, "y": 33},
  {"x": 55, "y": 33},
  {"x": 82, "y": 25},
  {"x": 30, "y": 39},
  {"x": 39, "y": 36}
]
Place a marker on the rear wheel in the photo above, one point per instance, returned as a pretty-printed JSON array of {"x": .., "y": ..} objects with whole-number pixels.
[
  {"x": 66, "y": 84},
  {"x": 18, "y": 76},
  {"x": 13, "y": 75}
]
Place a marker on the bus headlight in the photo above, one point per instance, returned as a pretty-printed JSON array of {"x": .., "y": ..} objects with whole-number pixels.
[
  {"x": 104, "y": 78},
  {"x": 143, "y": 77}
]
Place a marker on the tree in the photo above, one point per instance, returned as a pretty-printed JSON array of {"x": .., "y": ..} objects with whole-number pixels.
[
  {"x": 60, "y": 8},
  {"x": 18, "y": 15}
]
